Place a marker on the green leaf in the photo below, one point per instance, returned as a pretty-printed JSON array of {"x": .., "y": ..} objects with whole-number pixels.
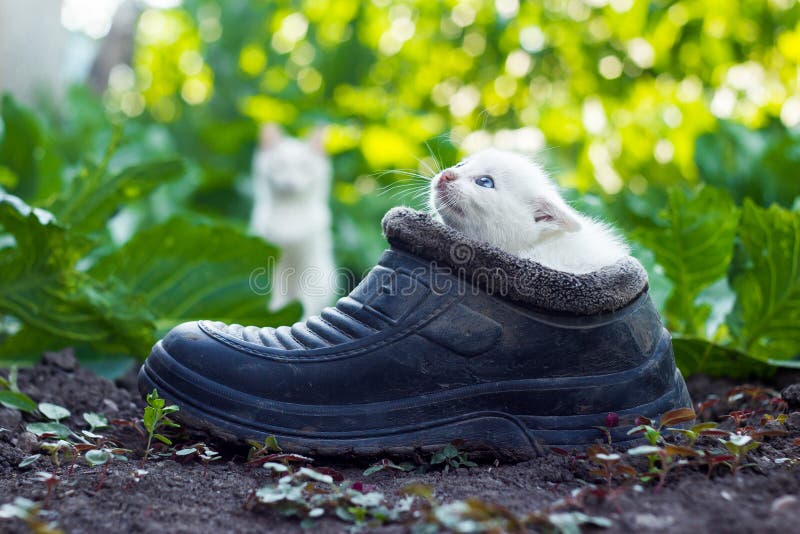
[
  {"x": 41, "y": 286},
  {"x": 163, "y": 439},
  {"x": 373, "y": 469},
  {"x": 28, "y": 460},
  {"x": 96, "y": 196},
  {"x": 271, "y": 444},
  {"x": 95, "y": 420},
  {"x": 25, "y": 153},
  {"x": 55, "y": 429},
  {"x": 694, "y": 245},
  {"x": 757, "y": 164},
  {"x": 17, "y": 400},
  {"x": 205, "y": 269},
  {"x": 53, "y": 411},
  {"x": 695, "y": 355},
  {"x": 97, "y": 457},
  {"x": 766, "y": 315},
  {"x": 28, "y": 344},
  {"x": 149, "y": 419}
]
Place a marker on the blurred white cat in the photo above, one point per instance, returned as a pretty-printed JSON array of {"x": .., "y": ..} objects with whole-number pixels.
[{"x": 291, "y": 187}]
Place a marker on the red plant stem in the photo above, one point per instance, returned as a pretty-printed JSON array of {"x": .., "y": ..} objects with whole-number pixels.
[{"x": 102, "y": 477}]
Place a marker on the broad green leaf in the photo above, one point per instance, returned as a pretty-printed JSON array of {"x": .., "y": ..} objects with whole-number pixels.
[
  {"x": 204, "y": 271},
  {"x": 696, "y": 355},
  {"x": 96, "y": 196},
  {"x": 27, "y": 345},
  {"x": 25, "y": 154},
  {"x": 43, "y": 429},
  {"x": 757, "y": 164},
  {"x": 53, "y": 412},
  {"x": 17, "y": 400},
  {"x": 766, "y": 317},
  {"x": 95, "y": 420},
  {"x": 97, "y": 457},
  {"x": 40, "y": 286},
  {"x": 694, "y": 245}
]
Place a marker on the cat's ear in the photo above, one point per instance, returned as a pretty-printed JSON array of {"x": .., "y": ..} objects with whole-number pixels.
[
  {"x": 554, "y": 215},
  {"x": 316, "y": 139},
  {"x": 270, "y": 135}
]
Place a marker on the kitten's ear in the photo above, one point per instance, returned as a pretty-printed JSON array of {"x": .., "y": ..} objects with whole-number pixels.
[
  {"x": 554, "y": 215},
  {"x": 270, "y": 135},
  {"x": 316, "y": 139}
]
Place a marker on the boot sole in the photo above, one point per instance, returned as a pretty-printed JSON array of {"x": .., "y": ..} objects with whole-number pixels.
[{"x": 486, "y": 418}]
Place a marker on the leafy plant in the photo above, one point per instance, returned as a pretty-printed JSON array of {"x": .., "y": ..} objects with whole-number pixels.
[
  {"x": 767, "y": 311},
  {"x": 309, "y": 494},
  {"x": 667, "y": 458},
  {"x": 611, "y": 464},
  {"x": 739, "y": 445},
  {"x": 695, "y": 245},
  {"x": 12, "y": 397},
  {"x": 693, "y": 242},
  {"x": 155, "y": 418},
  {"x": 450, "y": 456},
  {"x": 64, "y": 281}
]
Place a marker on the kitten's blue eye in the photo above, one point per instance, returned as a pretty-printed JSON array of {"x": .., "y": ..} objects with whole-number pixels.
[{"x": 485, "y": 181}]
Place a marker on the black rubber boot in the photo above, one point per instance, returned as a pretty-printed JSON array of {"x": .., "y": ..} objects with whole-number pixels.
[{"x": 446, "y": 339}]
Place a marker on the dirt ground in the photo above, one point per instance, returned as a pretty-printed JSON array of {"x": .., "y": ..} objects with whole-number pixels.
[{"x": 193, "y": 497}]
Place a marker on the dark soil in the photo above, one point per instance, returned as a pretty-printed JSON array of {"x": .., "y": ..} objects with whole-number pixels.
[{"x": 191, "y": 497}]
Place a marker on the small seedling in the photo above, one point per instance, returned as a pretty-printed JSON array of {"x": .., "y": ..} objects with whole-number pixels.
[
  {"x": 271, "y": 452},
  {"x": 12, "y": 397},
  {"x": 450, "y": 456},
  {"x": 668, "y": 458},
  {"x": 653, "y": 434},
  {"x": 611, "y": 464},
  {"x": 95, "y": 421},
  {"x": 258, "y": 450},
  {"x": 700, "y": 429},
  {"x": 50, "y": 482},
  {"x": 155, "y": 418},
  {"x": 57, "y": 449},
  {"x": 310, "y": 494},
  {"x": 739, "y": 445},
  {"x": 388, "y": 464},
  {"x": 201, "y": 451},
  {"x": 54, "y": 412}
]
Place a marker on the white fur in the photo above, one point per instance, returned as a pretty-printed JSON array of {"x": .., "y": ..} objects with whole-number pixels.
[
  {"x": 291, "y": 186},
  {"x": 506, "y": 216}
]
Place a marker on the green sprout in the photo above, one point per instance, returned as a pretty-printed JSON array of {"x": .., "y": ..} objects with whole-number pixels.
[
  {"x": 155, "y": 418},
  {"x": 450, "y": 456},
  {"x": 739, "y": 445}
]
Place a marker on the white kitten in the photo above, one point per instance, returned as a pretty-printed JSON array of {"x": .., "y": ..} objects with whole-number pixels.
[
  {"x": 291, "y": 186},
  {"x": 507, "y": 200}
]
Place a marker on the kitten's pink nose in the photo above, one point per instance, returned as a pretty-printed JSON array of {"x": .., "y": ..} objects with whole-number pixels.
[{"x": 448, "y": 175}]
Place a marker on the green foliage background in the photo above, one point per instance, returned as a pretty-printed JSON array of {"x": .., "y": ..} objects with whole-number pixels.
[{"x": 676, "y": 120}]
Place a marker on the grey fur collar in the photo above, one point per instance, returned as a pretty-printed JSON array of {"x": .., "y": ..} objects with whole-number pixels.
[{"x": 520, "y": 280}]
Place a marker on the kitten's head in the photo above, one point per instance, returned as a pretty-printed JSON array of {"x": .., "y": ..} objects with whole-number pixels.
[
  {"x": 503, "y": 198},
  {"x": 292, "y": 167}
]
